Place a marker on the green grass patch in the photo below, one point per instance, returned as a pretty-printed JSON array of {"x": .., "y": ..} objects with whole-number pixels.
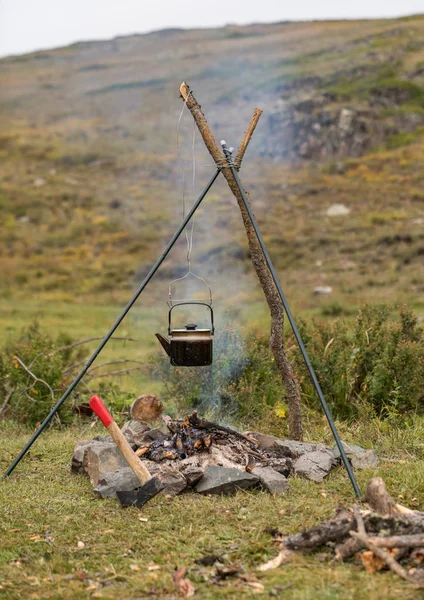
[{"x": 46, "y": 511}]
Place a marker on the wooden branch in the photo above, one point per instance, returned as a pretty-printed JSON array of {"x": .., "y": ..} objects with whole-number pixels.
[
  {"x": 414, "y": 540},
  {"x": 247, "y": 137},
  {"x": 259, "y": 262},
  {"x": 37, "y": 379},
  {"x": 353, "y": 545},
  {"x": 116, "y": 362},
  {"x": 384, "y": 555},
  {"x": 86, "y": 341},
  {"x": 380, "y": 500},
  {"x": 359, "y": 520},
  {"x": 112, "y": 373},
  {"x": 6, "y": 402}
]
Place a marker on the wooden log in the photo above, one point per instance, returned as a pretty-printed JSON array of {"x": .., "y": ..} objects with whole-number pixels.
[
  {"x": 332, "y": 531},
  {"x": 399, "y": 541},
  {"x": 258, "y": 260},
  {"x": 146, "y": 408},
  {"x": 247, "y": 137}
]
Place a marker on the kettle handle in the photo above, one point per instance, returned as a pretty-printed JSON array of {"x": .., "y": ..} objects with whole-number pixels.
[{"x": 193, "y": 302}]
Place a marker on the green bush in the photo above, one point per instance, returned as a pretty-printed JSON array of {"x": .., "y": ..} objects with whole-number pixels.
[
  {"x": 30, "y": 400},
  {"x": 371, "y": 368},
  {"x": 377, "y": 366},
  {"x": 241, "y": 385}
]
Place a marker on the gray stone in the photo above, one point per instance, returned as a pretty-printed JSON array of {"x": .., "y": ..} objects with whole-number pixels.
[
  {"x": 337, "y": 210},
  {"x": 133, "y": 431},
  {"x": 360, "y": 458},
  {"x": 123, "y": 480},
  {"x": 141, "y": 495},
  {"x": 192, "y": 474},
  {"x": 271, "y": 480},
  {"x": 150, "y": 436},
  {"x": 101, "y": 458},
  {"x": 314, "y": 465},
  {"x": 221, "y": 480},
  {"x": 323, "y": 289},
  {"x": 283, "y": 448},
  {"x": 78, "y": 456},
  {"x": 173, "y": 481},
  {"x": 281, "y": 465}
]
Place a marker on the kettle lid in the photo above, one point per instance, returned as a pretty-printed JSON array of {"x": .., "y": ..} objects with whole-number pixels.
[{"x": 191, "y": 326}]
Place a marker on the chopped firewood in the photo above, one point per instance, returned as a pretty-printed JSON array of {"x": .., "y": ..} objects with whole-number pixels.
[
  {"x": 146, "y": 408},
  {"x": 371, "y": 562},
  {"x": 142, "y": 450},
  {"x": 388, "y": 559},
  {"x": 251, "y": 463},
  {"x": 379, "y": 540}
]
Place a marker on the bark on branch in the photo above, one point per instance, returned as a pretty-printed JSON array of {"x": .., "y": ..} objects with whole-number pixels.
[{"x": 271, "y": 294}]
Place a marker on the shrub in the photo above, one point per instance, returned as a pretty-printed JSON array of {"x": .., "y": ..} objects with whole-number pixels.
[
  {"x": 374, "y": 367},
  {"x": 379, "y": 363},
  {"x": 30, "y": 399},
  {"x": 241, "y": 385}
]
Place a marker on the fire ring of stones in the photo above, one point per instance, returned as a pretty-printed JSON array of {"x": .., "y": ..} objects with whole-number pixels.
[{"x": 207, "y": 458}]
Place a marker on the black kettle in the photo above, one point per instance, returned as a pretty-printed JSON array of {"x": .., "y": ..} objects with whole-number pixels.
[{"x": 189, "y": 347}]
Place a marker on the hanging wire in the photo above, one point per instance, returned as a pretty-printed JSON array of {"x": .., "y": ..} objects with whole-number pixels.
[{"x": 189, "y": 234}]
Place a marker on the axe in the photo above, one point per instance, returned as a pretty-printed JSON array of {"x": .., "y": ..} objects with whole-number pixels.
[{"x": 150, "y": 486}]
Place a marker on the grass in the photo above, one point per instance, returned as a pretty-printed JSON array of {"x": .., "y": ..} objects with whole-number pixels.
[
  {"x": 42, "y": 498},
  {"x": 90, "y": 191}
]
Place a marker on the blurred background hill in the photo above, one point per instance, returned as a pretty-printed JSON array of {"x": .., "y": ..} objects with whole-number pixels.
[{"x": 92, "y": 180}]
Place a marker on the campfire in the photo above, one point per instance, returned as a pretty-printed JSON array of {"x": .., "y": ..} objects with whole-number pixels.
[
  {"x": 202, "y": 456},
  {"x": 209, "y": 442}
]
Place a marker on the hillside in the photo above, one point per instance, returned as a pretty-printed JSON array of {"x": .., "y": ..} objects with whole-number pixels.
[{"x": 91, "y": 184}]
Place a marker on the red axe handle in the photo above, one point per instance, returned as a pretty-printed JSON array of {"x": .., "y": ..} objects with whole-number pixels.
[{"x": 120, "y": 440}]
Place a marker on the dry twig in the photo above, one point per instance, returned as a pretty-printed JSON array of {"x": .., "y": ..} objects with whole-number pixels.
[
  {"x": 6, "y": 402},
  {"x": 112, "y": 373},
  {"x": 37, "y": 379},
  {"x": 86, "y": 341}
]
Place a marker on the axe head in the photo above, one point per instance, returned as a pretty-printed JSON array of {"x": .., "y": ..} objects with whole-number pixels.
[{"x": 141, "y": 495}]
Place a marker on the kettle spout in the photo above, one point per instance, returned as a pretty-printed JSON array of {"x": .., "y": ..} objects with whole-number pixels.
[{"x": 166, "y": 345}]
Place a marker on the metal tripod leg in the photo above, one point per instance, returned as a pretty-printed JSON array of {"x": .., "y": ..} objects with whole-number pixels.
[
  {"x": 114, "y": 326},
  {"x": 309, "y": 366}
]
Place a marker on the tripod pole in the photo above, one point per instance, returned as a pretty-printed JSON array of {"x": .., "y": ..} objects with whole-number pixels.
[
  {"x": 293, "y": 325},
  {"x": 114, "y": 326}
]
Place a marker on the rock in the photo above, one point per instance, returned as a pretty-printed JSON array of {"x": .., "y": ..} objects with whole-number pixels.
[
  {"x": 221, "y": 480},
  {"x": 78, "y": 456},
  {"x": 283, "y": 448},
  {"x": 337, "y": 210},
  {"x": 39, "y": 182},
  {"x": 173, "y": 481},
  {"x": 141, "y": 495},
  {"x": 192, "y": 474},
  {"x": 314, "y": 465},
  {"x": 271, "y": 480},
  {"x": 359, "y": 457},
  {"x": 345, "y": 119},
  {"x": 281, "y": 465},
  {"x": 121, "y": 480},
  {"x": 101, "y": 458},
  {"x": 150, "y": 436},
  {"x": 133, "y": 431},
  {"x": 323, "y": 289}
]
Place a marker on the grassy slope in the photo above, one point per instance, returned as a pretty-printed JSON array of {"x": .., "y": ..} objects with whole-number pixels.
[{"x": 96, "y": 123}]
